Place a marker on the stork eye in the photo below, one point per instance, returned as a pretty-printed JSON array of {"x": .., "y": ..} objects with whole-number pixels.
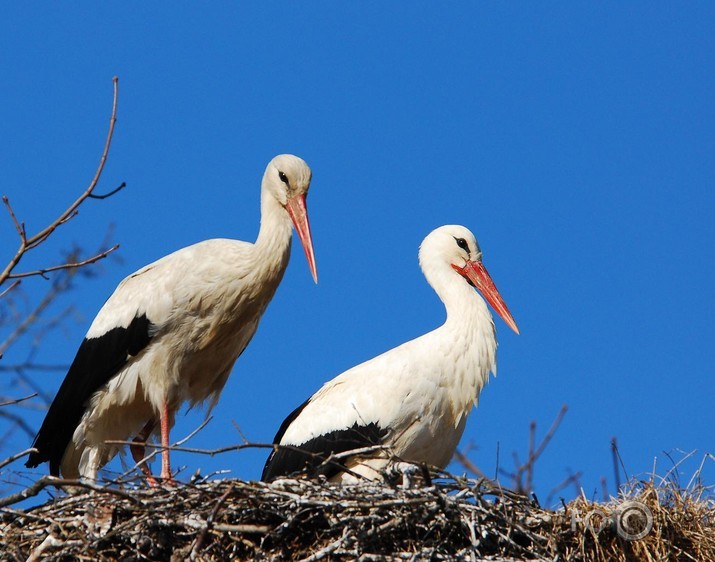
[
  {"x": 283, "y": 177},
  {"x": 462, "y": 243}
]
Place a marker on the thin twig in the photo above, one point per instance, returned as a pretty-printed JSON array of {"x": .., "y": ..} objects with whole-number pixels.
[
  {"x": 42, "y": 272},
  {"x": 107, "y": 195},
  {"x": 45, "y": 481},
  {"x": 16, "y": 456},
  {"x": 209, "y": 523},
  {"x": 60, "y": 284},
  {"x": 18, "y": 400},
  {"x": 29, "y": 243},
  {"x": 462, "y": 459},
  {"x": 550, "y": 433},
  {"x": 9, "y": 288},
  {"x": 614, "y": 459},
  {"x": 18, "y": 421},
  {"x": 43, "y": 234}
]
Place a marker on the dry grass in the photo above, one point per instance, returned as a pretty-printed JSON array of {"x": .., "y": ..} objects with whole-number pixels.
[{"x": 454, "y": 518}]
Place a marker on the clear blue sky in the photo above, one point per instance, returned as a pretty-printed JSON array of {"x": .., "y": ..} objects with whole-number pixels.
[{"x": 576, "y": 140}]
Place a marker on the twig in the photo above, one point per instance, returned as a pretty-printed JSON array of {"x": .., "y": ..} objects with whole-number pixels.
[
  {"x": 50, "y": 542},
  {"x": 571, "y": 479},
  {"x": 209, "y": 522},
  {"x": 614, "y": 459},
  {"x": 550, "y": 433},
  {"x": 18, "y": 400},
  {"x": 157, "y": 448},
  {"x": 696, "y": 476},
  {"x": 527, "y": 468},
  {"x": 19, "y": 421},
  {"x": 29, "y": 243},
  {"x": 29, "y": 366},
  {"x": 20, "y": 227},
  {"x": 57, "y": 287},
  {"x": 68, "y": 213},
  {"x": 330, "y": 548},
  {"x": 8, "y": 289},
  {"x": 42, "y": 272},
  {"x": 462, "y": 459},
  {"x": 16, "y": 456},
  {"x": 45, "y": 481},
  {"x": 674, "y": 471},
  {"x": 107, "y": 195},
  {"x": 530, "y": 465}
]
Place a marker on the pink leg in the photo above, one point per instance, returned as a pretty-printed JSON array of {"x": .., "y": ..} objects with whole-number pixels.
[
  {"x": 138, "y": 449},
  {"x": 165, "y": 463}
]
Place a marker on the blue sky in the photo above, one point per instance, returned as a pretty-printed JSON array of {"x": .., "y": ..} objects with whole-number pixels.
[{"x": 575, "y": 140}]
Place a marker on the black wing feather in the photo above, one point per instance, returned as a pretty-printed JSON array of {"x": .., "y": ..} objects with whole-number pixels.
[
  {"x": 309, "y": 457},
  {"x": 97, "y": 361}
]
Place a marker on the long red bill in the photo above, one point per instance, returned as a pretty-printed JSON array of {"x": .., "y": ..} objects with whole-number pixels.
[
  {"x": 475, "y": 272},
  {"x": 299, "y": 215}
]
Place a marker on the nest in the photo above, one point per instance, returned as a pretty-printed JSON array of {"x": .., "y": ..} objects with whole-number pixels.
[{"x": 453, "y": 518}]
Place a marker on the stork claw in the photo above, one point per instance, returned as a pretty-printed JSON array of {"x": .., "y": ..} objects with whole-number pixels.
[
  {"x": 412, "y": 475},
  {"x": 138, "y": 450}
]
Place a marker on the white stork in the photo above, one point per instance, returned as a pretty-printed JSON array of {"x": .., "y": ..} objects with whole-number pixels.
[
  {"x": 171, "y": 333},
  {"x": 412, "y": 400}
]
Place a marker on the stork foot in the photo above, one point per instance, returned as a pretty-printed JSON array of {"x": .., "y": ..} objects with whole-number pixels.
[
  {"x": 167, "y": 479},
  {"x": 412, "y": 475},
  {"x": 138, "y": 450}
]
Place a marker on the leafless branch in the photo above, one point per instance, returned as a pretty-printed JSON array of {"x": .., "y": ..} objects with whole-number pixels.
[
  {"x": 46, "y": 481},
  {"x": 463, "y": 459},
  {"x": 108, "y": 195},
  {"x": 9, "y": 288},
  {"x": 20, "y": 227},
  {"x": 17, "y": 400},
  {"x": 19, "y": 422},
  {"x": 17, "y": 321},
  {"x": 615, "y": 457},
  {"x": 209, "y": 523},
  {"x": 571, "y": 480},
  {"x": 73, "y": 265},
  {"x": 29, "y": 243},
  {"x": 523, "y": 476},
  {"x": 16, "y": 456},
  {"x": 549, "y": 434},
  {"x": 58, "y": 286}
]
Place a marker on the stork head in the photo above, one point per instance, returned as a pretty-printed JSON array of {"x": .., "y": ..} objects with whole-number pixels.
[
  {"x": 455, "y": 246},
  {"x": 287, "y": 179}
]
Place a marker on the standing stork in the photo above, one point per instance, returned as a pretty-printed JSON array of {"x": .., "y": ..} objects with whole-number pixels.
[
  {"x": 412, "y": 400},
  {"x": 171, "y": 333}
]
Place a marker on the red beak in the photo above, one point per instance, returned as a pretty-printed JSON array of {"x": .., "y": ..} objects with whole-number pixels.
[
  {"x": 478, "y": 275},
  {"x": 299, "y": 215}
]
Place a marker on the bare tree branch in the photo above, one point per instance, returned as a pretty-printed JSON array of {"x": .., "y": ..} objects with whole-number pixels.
[
  {"x": 20, "y": 321},
  {"x": 462, "y": 459},
  {"x": 17, "y": 401},
  {"x": 18, "y": 421},
  {"x": 46, "y": 481},
  {"x": 16, "y": 456},
  {"x": 29, "y": 243},
  {"x": 70, "y": 265},
  {"x": 108, "y": 195},
  {"x": 9, "y": 288}
]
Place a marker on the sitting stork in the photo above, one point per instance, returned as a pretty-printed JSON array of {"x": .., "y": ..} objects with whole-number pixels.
[
  {"x": 171, "y": 333},
  {"x": 412, "y": 400}
]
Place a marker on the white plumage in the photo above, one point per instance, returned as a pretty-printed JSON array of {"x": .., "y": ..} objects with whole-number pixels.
[
  {"x": 171, "y": 333},
  {"x": 413, "y": 399}
]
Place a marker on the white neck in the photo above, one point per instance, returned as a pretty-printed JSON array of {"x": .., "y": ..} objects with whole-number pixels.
[
  {"x": 272, "y": 247},
  {"x": 470, "y": 330}
]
